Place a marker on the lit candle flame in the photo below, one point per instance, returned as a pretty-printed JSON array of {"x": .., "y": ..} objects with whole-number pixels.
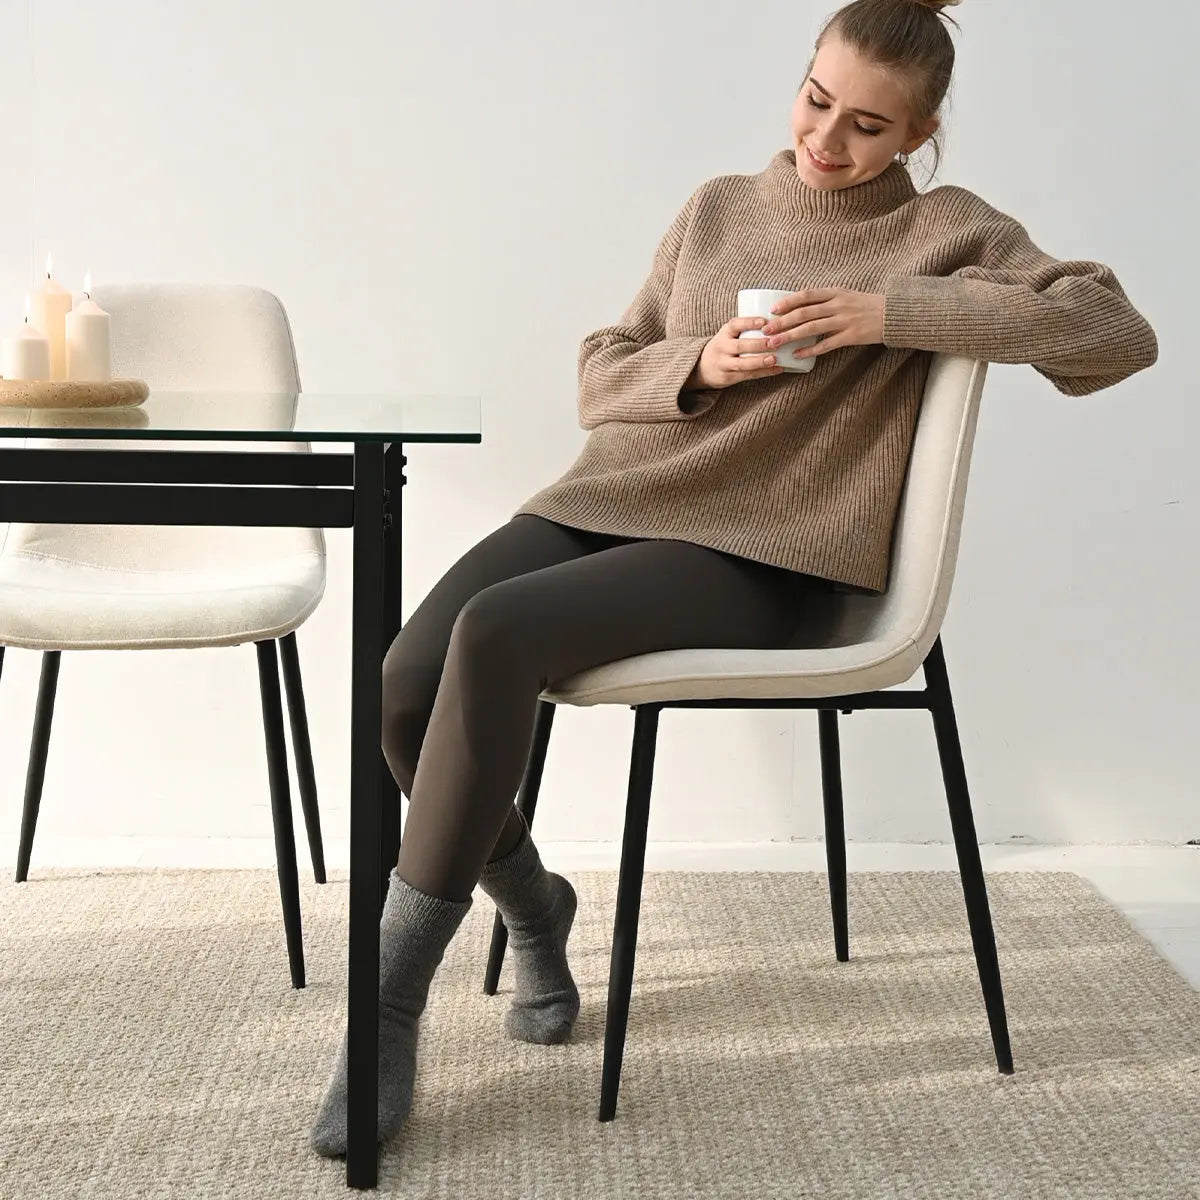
[
  {"x": 28, "y": 307},
  {"x": 87, "y": 285},
  {"x": 49, "y": 265}
]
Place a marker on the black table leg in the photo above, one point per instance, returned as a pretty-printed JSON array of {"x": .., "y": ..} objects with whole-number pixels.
[
  {"x": 362, "y": 1155},
  {"x": 390, "y": 796}
]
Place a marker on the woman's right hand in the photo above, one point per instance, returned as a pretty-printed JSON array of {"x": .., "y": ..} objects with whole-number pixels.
[{"x": 724, "y": 361}]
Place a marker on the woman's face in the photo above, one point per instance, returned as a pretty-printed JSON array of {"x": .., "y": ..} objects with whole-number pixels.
[{"x": 852, "y": 114}]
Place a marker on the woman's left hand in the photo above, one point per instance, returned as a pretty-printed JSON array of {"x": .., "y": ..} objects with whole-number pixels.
[{"x": 844, "y": 318}]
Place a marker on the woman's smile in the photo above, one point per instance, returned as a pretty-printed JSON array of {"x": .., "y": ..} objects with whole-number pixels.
[{"x": 820, "y": 162}]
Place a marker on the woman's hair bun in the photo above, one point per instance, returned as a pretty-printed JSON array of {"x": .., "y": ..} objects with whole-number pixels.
[{"x": 937, "y": 5}]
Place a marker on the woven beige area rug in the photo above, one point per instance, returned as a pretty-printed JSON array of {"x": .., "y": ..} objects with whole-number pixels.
[{"x": 153, "y": 1047}]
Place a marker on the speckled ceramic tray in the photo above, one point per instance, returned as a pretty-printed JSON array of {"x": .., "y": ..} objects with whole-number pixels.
[{"x": 43, "y": 393}]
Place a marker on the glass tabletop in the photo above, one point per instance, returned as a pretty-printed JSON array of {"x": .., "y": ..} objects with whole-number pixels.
[{"x": 260, "y": 416}]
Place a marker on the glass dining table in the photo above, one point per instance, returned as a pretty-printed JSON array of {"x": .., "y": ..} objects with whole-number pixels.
[{"x": 157, "y": 463}]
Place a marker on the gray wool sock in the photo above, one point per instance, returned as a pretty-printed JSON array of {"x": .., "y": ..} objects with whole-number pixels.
[
  {"x": 414, "y": 931},
  {"x": 538, "y": 908}
]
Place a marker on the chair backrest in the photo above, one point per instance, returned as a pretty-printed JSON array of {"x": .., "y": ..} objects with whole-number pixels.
[
  {"x": 928, "y": 524},
  {"x": 207, "y": 338}
]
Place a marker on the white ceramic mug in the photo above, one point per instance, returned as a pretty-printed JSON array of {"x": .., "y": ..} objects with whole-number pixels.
[{"x": 756, "y": 302}]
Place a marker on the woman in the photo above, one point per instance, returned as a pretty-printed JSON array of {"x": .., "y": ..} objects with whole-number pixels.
[{"x": 715, "y": 492}]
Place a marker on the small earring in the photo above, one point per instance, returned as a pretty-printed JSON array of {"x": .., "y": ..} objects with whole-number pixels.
[{"x": 904, "y": 158}]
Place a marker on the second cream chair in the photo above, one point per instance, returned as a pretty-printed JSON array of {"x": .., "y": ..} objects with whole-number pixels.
[{"x": 116, "y": 587}]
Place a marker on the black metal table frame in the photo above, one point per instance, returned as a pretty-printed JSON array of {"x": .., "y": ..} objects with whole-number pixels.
[{"x": 360, "y": 491}]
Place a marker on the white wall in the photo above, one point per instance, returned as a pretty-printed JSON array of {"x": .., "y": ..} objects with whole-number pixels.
[{"x": 449, "y": 198}]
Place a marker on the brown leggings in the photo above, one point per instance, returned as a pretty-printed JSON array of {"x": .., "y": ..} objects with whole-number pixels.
[{"x": 533, "y": 603}]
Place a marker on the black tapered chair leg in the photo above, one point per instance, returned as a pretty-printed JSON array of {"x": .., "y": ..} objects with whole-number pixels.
[
  {"x": 835, "y": 829},
  {"x": 302, "y": 748},
  {"x": 36, "y": 773},
  {"x": 629, "y": 903},
  {"x": 966, "y": 843},
  {"x": 281, "y": 807},
  {"x": 527, "y": 799}
]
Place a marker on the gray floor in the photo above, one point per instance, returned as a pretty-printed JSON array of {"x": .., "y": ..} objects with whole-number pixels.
[{"x": 1157, "y": 887}]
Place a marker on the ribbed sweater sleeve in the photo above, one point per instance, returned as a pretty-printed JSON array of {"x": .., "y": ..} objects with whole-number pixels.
[
  {"x": 1070, "y": 321},
  {"x": 632, "y": 371}
]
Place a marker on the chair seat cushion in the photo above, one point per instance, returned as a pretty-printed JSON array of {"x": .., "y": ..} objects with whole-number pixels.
[
  {"x": 51, "y": 603},
  {"x": 724, "y": 674}
]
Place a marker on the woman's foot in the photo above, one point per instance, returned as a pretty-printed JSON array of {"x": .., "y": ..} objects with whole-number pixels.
[
  {"x": 414, "y": 931},
  {"x": 538, "y": 908},
  {"x": 546, "y": 1002}
]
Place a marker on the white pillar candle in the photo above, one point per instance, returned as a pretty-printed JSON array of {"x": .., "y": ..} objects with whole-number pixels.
[
  {"x": 89, "y": 354},
  {"x": 25, "y": 355},
  {"x": 51, "y": 303}
]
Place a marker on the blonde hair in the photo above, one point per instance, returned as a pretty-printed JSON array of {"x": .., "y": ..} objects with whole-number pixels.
[{"x": 909, "y": 39}]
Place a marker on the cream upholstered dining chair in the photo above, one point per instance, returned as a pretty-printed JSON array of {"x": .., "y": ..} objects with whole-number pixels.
[
  {"x": 118, "y": 587},
  {"x": 848, "y": 648}
]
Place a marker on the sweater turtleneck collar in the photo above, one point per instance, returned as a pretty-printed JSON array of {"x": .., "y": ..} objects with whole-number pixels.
[{"x": 891, "y": 188}]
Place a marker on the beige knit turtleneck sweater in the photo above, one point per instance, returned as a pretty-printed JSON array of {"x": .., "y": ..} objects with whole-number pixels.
[{"x": 804, "y": 471}]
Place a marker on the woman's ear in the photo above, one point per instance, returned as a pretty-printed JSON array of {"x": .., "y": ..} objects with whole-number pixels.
[{"x": 921, "y": 135}]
